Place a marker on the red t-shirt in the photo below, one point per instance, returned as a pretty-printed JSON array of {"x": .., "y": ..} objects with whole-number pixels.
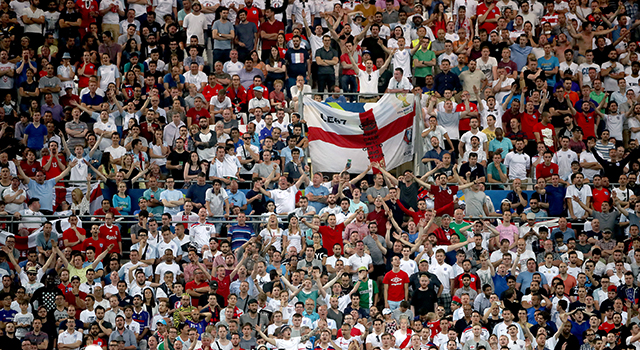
[
  {"x": 70, "y": 298},
  {"x": 495, "y": 13},
  {"x": 111, "y": 235},
  {"x": 192, "y": 285},
  {"x": 396, "y": 282},
  {"x": 586, "y": 122},
  {"x": 209, "y": 92},
  {"x": 443, "y": 197},
  {"x": 30, "y": 169},
  {"x": 546, "y": 171},
  {"x": 475, "y": 281},
  {"x": 464, "y": 123},
  {"x": 223, "y": 286},
  {"x": 253, "y": 15},
  {"x": 600, "y": 196},
  {"x": 546, "y": 134},
  {"x": 331, "y": 236},
  {"x": 529, "y": 121},
  {"x": 70, "y": 235},
  {"x": 346, "y": 59},
  {"x": 89, "y": 69},
  {"x": 270, "y": 28},
  {"x": 54, "y": 170},
  {"x": 98, "y": 244},
  {"x": 195, "y": 114}
]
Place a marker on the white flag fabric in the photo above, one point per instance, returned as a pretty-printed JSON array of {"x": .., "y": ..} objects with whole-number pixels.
[{"x": 381, "y": 132}]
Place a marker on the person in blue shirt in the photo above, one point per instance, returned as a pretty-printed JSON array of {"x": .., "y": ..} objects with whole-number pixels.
[
  {"x": 42, "y": 189},
  {"x": 240, "y": 233},
  {"x": 35, "y": 134},
  {"x": 446, "y": 80},
  {"x": 197, "y": 191},
  {"x": 555, "y": 196},
  {"x": 335, "y": 97},
  {"x": 236, "y": 198},
  {"x": 525, "y": 277},
  {"x": 549, "y": 64}
]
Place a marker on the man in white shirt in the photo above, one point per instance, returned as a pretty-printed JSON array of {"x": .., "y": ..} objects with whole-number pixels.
[
  {"x": 582, "y": 192},
  {"x": 517, "y": 162},
  {"x": 564, "y": 157},
  {"x": 195, "y": 77},
  {"x": 285, "y": 195},
  {"x": 399, "y": 83}
]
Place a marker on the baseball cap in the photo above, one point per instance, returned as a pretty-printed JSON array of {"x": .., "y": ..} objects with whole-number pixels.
[
  {"x": 162, "y": 321},
  {"x": 75, "y": 278},
  {"x": 386, "y": 311},
  {"x": 612, "y": 289},
  {"x": 531, "y": 216},
  {"x": 32, "y": 269},
  {"x": 258, "y": 88},
  {"x": 362, "y": 268},
  {"x": 456, "y": 300},
  {"x": 213, "y": 284}
]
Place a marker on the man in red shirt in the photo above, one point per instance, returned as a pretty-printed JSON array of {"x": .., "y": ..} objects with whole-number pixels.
[
  {"x": 212, "y": 88},
  {"x": 106, "y": 208},
  {"x": 546, "y": 168},
  {"x": 443, "y": 193},
  {"x": 529, "y": 119},
  {"x": 599, "y": 193},
  {"x": 586, "y": 119},
  {"x": 94, "y": 241},
  {"x": 332, "y": 233},
  {"x": 396, "y": 285},
  {"x": 269, "y": 30},
  {"x": 254, "y": 15},
  {"x": 53, "y": 165},
  {"x": 545, "y": 132},
  {"x": 198, "y": 286},
  {"x": 198, "y": 111},
  {"x": 74, "y": 235},
  {"x": 489, "y": 21},
  {"x": 110, "y": 233},
  {"x": 463, "y": 126}
]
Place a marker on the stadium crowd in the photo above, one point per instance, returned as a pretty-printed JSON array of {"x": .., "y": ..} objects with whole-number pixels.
[{"x": 156, "y": 190}]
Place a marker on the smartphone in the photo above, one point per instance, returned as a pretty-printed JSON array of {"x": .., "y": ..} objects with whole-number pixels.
[{"x": 348, "y": 163}]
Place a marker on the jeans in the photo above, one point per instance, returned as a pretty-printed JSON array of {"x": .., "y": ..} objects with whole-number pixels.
[
  {"x": 349, "y": 83},
  {"x": 326, "y": 81},
  {"x": 393, "y": 305},
  {"x": 221, "y": 55}
]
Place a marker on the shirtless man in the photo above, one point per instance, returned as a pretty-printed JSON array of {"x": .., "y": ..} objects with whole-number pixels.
[{"x": 584, "y": 39}]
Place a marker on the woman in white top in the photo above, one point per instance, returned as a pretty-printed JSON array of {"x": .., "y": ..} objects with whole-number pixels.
[
  {"x": 80, "y": 203},
  {"x": 272, "y": 233},
  {"x": 158, "y": 151},
  {"x": 292, "y": 236}
]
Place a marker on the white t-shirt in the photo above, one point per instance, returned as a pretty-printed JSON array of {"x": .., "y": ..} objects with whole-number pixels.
[
  {"x": 285, "y": 199},
  {"x": 466, "y": 138},
  {"x": 487, "y": 67},
  {"x": 584, "y": 69},
  {"x": 195, "y": 25},
  {"x": 109, "y": 126},
  {"x": 116, "y": 153},
  {"x": 111, "y": 17},
  {"x": 6, "y": 82},
  {"x": 108, "y": 74},
  {"x": 582, "y": 194},
  {"x": 564, "y": 160},
  {"x": 368, "y": 82},
  {"x": 611, "y": 84}
]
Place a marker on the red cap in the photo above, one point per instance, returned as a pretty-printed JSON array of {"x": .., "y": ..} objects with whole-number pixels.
[
  {"x": 613, "y": 289},
  {"x": 456, "y": 299}
]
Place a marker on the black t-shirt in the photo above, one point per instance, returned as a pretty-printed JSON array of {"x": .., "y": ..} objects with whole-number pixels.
[
  {"x": 496, "y": 50},
  {"x": 69, "y": 17},
  {"x": 477, "y": 172},
  {"x": 409, "y": 195},
  {"x": 29, "y": 87},
  {"x": 374, "y": 47},
  {"x": 178, "y": 158},
  {"x": 259, "y": 205},
  {"x": 423, "y": 300},
  {"x": 602, "y": 56}
]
